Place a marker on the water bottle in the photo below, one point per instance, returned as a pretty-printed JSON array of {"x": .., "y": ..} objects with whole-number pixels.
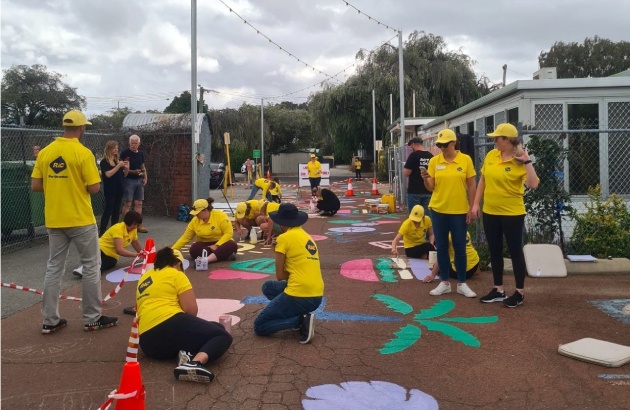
[{"x": 253, "y": 238}]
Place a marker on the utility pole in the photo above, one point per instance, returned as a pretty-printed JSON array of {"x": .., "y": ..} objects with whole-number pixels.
[{"x": 200, "y": 108}]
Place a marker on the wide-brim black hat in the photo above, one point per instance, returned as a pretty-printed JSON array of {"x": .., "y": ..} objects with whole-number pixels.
[{"x": 288, "y": 215}]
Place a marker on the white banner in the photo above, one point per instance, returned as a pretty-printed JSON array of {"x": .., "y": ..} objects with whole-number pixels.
[{"x": 303, "y": 175}]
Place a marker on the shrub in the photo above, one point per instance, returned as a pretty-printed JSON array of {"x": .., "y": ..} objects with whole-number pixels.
[{"x": 604, "y": 230}]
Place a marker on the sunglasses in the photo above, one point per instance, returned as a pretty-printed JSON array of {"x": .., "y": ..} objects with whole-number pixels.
[{"x": 442, "y": 144}]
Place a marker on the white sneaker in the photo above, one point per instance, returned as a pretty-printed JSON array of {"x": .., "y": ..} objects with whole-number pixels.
[
  {"x": 442, "y": 288},
  {"x": 463, "y": 289},
  {"x": 78, "y": 271}
]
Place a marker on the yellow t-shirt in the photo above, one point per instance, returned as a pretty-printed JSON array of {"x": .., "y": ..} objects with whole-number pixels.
[
  {"x": 254, "y": 206},
  {"x": 301, "y": 263},
  {"x": 472, "y": 257},
  {"x": 157, "y": 296},
  {"x": 505, "y": 185},
  {"x": 357, "y": 164},
  {"x": 218, "y": 230},
  {"x": 450, "y": 192},
  {"x": 413, "y": 236},
  {"x": 263, "y": 184},
  {"x": 314, "y": 169},
  {"x": 277, "y": 191},
  {"x": 66, "y": 168},
  {"x": 119, "y": 230},
  {"x": 271, "y": 207}
]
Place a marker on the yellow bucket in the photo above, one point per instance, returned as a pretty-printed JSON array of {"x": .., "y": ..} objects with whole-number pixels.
[{"x": 390, "y": 200}]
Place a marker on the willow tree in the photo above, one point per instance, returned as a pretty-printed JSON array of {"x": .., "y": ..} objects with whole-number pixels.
[{"x": 441, "y": 80}]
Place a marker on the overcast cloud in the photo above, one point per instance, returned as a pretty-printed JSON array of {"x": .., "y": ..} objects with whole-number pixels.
[{"x": 137, "y": 53}]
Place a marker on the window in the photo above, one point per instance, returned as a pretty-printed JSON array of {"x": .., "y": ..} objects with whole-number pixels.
[{"x": 583, "y": 155}]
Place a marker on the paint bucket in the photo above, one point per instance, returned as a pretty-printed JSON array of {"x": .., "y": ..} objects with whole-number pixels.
[
  {"x": 382, "y": 208},
  {"x": 390, "y": 200},
  {"x": 432, "y": 258}
]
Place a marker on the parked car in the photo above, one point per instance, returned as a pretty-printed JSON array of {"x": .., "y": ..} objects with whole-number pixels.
[{"x": 217, "y": 172}]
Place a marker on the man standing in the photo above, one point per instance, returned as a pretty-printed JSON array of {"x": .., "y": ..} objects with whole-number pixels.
[
  {"x": 248, "y": 169},
  {"x": 136, "y": 180},
  {"x": 417, "y": 193},
  {"x": 65, "y": 171}
]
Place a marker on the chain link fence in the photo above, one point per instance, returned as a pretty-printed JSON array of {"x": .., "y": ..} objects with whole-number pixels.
[{"x": 22, "y": 211}]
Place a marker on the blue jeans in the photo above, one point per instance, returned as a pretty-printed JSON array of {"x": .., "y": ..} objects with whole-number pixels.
[
  {"x": 418, "y": 199},
  {"x": 283, "y": 311},
  {"x": 456, "y": 225},
  {"x": 255, "y": 190}
]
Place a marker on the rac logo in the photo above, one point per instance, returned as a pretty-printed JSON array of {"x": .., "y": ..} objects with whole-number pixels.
[
  {"x": 58, "y": 165},
  {"x": 311, "y": 248}
]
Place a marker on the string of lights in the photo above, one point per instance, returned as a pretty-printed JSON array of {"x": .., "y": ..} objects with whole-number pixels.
[
  {"x": 370, "y": 17},
  {"x": 278, "y": 45}
]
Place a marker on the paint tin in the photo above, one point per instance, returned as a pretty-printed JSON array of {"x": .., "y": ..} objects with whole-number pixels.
[
  {"x": 382, "y": 208},
  {"x": 432, "y": 259}
]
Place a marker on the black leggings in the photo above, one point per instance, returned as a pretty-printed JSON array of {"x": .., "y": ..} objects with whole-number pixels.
[
  {"x": 496, "y": 227},
  {"x": 107, "y": 262},
  {"x": 185, "y": 332},
  {"x": 419, "y": 252}
]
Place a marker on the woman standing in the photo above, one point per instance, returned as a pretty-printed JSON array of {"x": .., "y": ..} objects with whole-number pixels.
[
  {"x": 168, "y": 324},
  {"x": 357, "y": 167},
  {"x": 213, "y": 231},
  {"x": 114, "y": 172},
  {"x": 506, "y": 171},
  {"x": 451, "y": 177},
  {"x": 314, "y": 168}
]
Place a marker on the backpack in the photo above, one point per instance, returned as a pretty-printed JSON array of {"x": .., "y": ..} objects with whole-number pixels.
[{"x": 183, "y": 213}]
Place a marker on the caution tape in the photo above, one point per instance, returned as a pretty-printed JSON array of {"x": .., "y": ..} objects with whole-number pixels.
[
  {"x": 134, "y": 341},
  {"x": 114, "y": 395},
  {"x": 37, "y": 291}
]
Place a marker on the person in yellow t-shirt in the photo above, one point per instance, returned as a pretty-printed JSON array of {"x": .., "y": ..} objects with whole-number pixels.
[
  {"x": 357, "y": 168},
  {"x": 168, "y": 325},
  {"x": 65, "y": 171},
  {"x": 472, "y": 261},
  {"x": 505, "y": 173},
  {"x": 314, "y": 168},
  {"x": 276, "y": 192},
  {"x": 245, "y": 215},
  {"x": 451, "y": 178},
  {"x": 114, "y": 241},
  {"x": 213, "y": 231},
  {"x": 267, "y": 226},
  {"x": 414, "y": 232},
  {"x": 265, "y": 185},
  {"x": 299, "y": 287}
]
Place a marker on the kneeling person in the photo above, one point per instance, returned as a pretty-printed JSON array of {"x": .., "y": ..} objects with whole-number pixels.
[
  {"x": 472, "y": 261},
  {"x": 327, "y": 202},
  {"x": 299, "y": 287},
  {"x": 414, "y": 232}
]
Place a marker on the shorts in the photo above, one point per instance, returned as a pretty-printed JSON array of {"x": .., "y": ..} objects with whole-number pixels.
[{"x": 133, "y": 189}]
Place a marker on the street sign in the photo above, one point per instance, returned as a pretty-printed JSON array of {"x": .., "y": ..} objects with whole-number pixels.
[{"x": 256, "y": 153}]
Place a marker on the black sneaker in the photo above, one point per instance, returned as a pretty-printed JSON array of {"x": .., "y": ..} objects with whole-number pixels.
[
  {"x": 184, "y": 357},
  {"x": 306, "y": 328},
  {"x": 495, "y": 295},
  {"x": 103, "y": 322},
  {"x": 193, "y": 372},
  {"x": 232, "y": 257},
  {"x": 514, "y": 300},
  {"x": 131, "y": 310},
  {"x": 48, "y": 329}
]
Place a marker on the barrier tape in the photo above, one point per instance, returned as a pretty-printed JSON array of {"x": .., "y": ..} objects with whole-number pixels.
[
  {"x": 134, "y": 341},
  {"x": 114, "y": 395},
  {"x": 39, "y": 292}
]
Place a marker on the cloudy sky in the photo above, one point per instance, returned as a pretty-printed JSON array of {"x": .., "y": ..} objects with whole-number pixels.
[{"x": 137, "y": 53}]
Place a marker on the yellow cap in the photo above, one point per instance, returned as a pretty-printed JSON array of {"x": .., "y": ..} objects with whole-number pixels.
[
  {"x": 198, "y": 206},
  {"x": 445, "y": 136},
  {"x": 241, "y": 208},
  {"x": 504, "y": 130},
  {"x": 417, "y": 213}
]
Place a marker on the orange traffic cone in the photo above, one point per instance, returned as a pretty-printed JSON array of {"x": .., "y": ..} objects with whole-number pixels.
[
  {"x": 350, "y": 191},
  {"x": 375, "y": 187},
  {"x": 130, "y": 395},
  {"x": 149, "y": 247},
  {"x": 268, "y": 175}
]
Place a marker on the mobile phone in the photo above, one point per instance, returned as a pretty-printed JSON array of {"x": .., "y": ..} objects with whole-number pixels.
[{"x": 423, "y": 169}]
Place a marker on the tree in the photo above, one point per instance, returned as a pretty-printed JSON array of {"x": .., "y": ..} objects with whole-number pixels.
[
  {"x": 113, "y": 120},
  {"x": 37, "y": 95},
  {"x": 181, "y": 104},
  {"x": 596, "y": 57}
]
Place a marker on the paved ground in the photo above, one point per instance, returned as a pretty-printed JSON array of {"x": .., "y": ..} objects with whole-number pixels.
[{"x": 376, "y": 345}]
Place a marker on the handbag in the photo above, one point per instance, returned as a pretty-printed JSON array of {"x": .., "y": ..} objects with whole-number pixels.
[{"x": 201, "y": 263}]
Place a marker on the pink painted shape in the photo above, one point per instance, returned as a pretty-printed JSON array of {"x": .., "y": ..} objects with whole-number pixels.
[
  {"x": 359, "y": 269},
  {"x": 344, "y": 211},
  {"x": 387, "y": 222},
  {"x": 319, "y": 237},
  {"x": 211, "y": 309},
  {"x": 225, "y": 274}
]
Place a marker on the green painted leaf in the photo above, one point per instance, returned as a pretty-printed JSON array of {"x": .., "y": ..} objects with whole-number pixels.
[
  {"x": 451, "y": 331},
  {"x": 394, "y": 304},
  {"x": 438, "y": 309},
  {"x": 260, "y": 265},
  {"x": 385, "y": 270},
  {"x": 475, "y": 320},
  {"x": 405, "y": 337}
]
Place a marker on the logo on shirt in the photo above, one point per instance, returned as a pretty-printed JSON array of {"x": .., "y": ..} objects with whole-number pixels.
[
  {"x": 58, "y": 165},
  {"x": 311, "y": 248},
  {"x": 460, "y": 169},
  {"x": 145, "y": 284},
  {"x": 508, "y": 169}
]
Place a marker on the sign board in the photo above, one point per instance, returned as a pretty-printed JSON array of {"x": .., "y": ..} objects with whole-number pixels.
[
  {"x": 303, "y": 175},
  {"x": 256, "y": 153},
  {"x": 226, "y": 138}
]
